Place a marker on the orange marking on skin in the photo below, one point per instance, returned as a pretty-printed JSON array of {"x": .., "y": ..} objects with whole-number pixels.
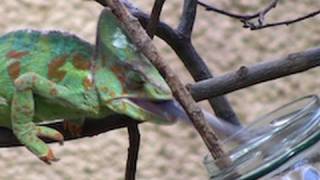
[
  {"x": 119, "y": 72},
  {"x": 87, "y": 83},
  {"x": 113, "y": 94},
  {"x": 34, "y": 79},
  {"x": 53, "y": 92},
  {"x": 14, "y": 70},
  {"x": 16, "y": 54},
  {"x": 54, "y": 73},
  {"x": 80, "y": 62},
  {"x": 108, "y": 91}
]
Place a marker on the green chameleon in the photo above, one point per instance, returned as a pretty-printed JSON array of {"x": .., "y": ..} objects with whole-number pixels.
[{"x": 46, "y": 76}]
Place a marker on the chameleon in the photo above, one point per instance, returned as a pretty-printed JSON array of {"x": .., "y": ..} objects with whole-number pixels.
[{"x": 45, "y": 76}]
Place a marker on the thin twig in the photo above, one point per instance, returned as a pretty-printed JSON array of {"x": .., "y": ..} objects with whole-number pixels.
[
  {"x": 133, "y": 150},
  {"x": 245, "y": 17},
  {"x": 155, "y": 17},
  {"x": 259, "y": 73},
  {"x": 260, "y": 15},
  {"x": 286, "y": 22},
  {"x": 144, "y": 43}
]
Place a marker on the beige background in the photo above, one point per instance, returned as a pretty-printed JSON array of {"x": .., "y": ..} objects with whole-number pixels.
[{"x": 167, "y": 152}]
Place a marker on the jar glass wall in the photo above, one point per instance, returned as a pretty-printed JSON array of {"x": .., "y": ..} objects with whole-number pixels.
[{"x": 279, "y": 144}]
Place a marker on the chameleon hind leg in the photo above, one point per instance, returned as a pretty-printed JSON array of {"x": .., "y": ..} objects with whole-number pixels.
[{"x": 22, "y": 113}]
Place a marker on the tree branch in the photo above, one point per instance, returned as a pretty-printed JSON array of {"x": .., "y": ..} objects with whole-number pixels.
[
  {"x": 133, "y": 150},
  {"x": 143, "y": 42},
  {"x": 155, "y": 17},
  {"x": 261, "y": 72},
  {"x": 187, "y": 18},
  {"x": 91, "y": 128}
]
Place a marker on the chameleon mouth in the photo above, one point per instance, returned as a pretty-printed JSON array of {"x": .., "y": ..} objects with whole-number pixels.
[{"x": 168, "y": 110}]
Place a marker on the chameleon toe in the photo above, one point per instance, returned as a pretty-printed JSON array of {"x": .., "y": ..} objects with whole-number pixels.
[
  {"x": 49, "y": 157},
  {"x": 50, "y": 133}
]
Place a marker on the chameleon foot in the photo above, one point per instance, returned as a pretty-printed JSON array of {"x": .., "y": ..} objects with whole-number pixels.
[{"x": 30, "y": 138}]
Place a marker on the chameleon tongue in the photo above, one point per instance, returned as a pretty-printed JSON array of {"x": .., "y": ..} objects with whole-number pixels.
[
  {"x": 168, "y": 109},
  {"x": 172, "y": 111}
]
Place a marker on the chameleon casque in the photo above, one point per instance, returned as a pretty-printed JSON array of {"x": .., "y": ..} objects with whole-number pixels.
[{"x": 46, "y": 76}]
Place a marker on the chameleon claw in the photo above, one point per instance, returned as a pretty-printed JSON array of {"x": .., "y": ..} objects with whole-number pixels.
[{"x": 49, "y": 158}]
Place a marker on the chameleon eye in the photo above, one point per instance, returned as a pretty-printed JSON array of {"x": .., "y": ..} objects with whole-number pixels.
[{"x": 135, "y": 80}]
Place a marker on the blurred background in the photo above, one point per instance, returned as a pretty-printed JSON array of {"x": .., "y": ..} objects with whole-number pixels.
[{"x": 167, "y": 152}]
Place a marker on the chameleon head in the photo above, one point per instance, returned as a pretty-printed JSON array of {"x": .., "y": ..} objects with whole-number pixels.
[{"x": 127, "y": 82}]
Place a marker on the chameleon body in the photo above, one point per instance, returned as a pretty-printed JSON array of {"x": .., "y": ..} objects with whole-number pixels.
[{"x": 53, "y": 75}]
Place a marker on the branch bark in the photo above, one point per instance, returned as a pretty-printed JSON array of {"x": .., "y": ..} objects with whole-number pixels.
[
  {"x": 259, "y": 73},
  {"x": 143, "y": 42}
]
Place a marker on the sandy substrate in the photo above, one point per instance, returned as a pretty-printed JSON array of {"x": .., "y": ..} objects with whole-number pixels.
[{"x": 167, "y": 152}]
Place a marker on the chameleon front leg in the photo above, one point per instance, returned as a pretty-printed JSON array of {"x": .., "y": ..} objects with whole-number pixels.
[{"x": 22, "y": 113}]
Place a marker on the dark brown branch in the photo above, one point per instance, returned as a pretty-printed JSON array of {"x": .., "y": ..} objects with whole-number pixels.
[
  {"x": 259, "y": 73},
  {"x": 187, "y": 18},
  {"x": 143, "y": 42},
  {"x": 133, "y": 150},
  {"x": 92, "y": 127},
  {"x": 155, "y": 17}
]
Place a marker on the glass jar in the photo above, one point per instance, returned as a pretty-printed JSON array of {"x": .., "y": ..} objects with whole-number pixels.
[{"x": 283, "y": 144}]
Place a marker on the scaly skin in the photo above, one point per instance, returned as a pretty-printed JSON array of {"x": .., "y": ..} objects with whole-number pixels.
[{"x": 53, "y": 75}]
